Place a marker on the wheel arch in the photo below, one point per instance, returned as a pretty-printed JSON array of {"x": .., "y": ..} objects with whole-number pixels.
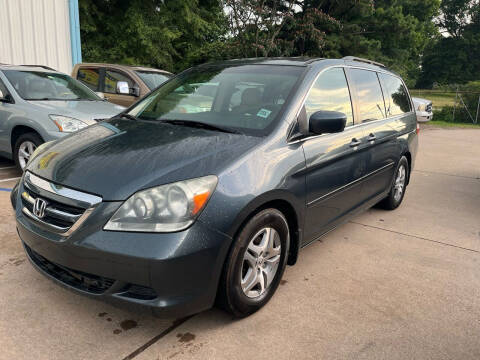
[
  {"x": 408, "y": 155},
  {"x": 286, "y": 204},
  {"x": 19, "y": 130}
]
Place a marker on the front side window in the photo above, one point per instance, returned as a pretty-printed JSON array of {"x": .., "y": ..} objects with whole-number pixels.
[
  {"x": 90, "y": 77},
  {"x": 397, "y": 100},
  {"x": 112, "y": 78},
  {"x": 153, "y": 79},
  {"x": 369, "y": 95},
  {"x": 245, "y": 98},
  {"x": 330, "y": 93},
  {"x": 42, "y": 85}
]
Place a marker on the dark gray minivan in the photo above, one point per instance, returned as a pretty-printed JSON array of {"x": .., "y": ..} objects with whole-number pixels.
[{"x": 205, "y": 189}]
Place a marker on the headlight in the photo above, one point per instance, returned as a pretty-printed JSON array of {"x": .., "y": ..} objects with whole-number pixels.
[
  {"x": 421, "y": 107},
  {"x": 67, "y": 124},
  {"x": 164, "y": 208}
]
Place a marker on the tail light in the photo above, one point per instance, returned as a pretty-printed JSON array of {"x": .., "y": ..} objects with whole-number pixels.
[{"x": 418, "y": 128}]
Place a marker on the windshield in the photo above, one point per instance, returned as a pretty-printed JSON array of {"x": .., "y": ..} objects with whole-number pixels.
[
  {"x": 153, "y": 79},
  {"x": 245, "y": 98},
  {"x": 40, "y": 85}
]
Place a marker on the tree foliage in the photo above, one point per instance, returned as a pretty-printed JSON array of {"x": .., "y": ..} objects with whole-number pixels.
[
  {"x": 166, "y": 34},
  {"x": 175, "y": 34},
  {"x": 453, "y": 58}
]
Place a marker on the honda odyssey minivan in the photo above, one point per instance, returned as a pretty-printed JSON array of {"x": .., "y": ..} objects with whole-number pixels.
[{"x": 206, "y": 189}]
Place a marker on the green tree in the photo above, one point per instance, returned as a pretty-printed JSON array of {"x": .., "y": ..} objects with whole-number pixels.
[
  {"x": 453, "y": 58},
  {"x": 166, "y": 34}
]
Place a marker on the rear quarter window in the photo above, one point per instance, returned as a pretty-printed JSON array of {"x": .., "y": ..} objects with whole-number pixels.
[{"x": 397, "y": 101}]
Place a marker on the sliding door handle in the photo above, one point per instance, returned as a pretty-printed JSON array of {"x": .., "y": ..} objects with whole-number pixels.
[{"x": 355, "y": 142}]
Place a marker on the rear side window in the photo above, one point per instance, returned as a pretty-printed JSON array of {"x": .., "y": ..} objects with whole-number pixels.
[
  {"x": 397, "y": 100},
  {"x": 330, "y": 93},
  {"x": 89, "y": 77},
  {"x": 369, "y": 95},
  {"x": 111, "y": 79}
]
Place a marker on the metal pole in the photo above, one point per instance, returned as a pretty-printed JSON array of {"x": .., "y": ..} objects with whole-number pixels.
[
  {"x": 478, "y": 108},
  {"x": 455, "y": 104}
]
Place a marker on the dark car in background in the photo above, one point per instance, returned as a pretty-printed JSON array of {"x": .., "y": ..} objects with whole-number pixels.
[
  {"x": 120, "y": 84},
  {"x": 207, "y": 188}
]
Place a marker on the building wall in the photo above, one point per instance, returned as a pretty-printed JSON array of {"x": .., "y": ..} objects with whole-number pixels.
[{"x": 36, "y": 32}]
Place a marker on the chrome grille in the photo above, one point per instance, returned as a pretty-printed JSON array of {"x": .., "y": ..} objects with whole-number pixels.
[
  {"x": 57, "y": 208},
  {"x": 57, "y": 214}
]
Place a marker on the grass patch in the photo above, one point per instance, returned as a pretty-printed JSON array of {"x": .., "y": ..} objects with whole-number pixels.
[
  {"x": 439, "y": 99},
  {"x": 453, "y": 124}
]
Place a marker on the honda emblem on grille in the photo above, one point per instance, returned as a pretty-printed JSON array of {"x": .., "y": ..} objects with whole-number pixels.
[{"x": 39, "y": 207}]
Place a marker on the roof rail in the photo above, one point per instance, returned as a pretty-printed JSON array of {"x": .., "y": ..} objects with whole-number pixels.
[
  {"x": 41, "y": 66},
  {"x": 354, "y": 58}
]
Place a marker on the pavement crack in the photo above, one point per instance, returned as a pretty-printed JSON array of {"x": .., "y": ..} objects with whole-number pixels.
[
  {"x": 153, "y": 340},
  {"x": 417, "y": 237},
  {"x": 446, "y": 174}
]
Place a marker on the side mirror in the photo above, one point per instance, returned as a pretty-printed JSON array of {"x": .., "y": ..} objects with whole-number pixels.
[
  {"x": 327, "y": 122},
  {"x": 123, "y": 88}
]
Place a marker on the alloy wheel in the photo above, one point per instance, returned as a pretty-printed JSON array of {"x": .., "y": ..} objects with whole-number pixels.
[
  {"x": 399, "y": 185},
  {"x": 25, "y": 150},
  {"x": 260, "y": 262}
]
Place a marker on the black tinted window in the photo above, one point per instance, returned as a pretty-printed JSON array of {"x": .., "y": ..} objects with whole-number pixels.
[
  {"x": 369, "y": 95},
  {"x": 330, "y": 92},
  {"x": 397, "y": 101}
]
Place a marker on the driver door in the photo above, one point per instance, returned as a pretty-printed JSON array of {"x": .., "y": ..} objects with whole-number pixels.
[{"x": 335, "y": 162}]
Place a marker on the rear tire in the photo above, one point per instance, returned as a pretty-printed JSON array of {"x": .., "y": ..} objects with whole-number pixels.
[
  {"x": 24, "y": 148},
  {"x": 399, "y": 186},
  {"x": 255, "y": 265}
]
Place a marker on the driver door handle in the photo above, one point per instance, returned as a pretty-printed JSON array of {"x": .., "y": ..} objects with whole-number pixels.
[
  {"x": 372, "y": 137},
  {"x": 355, "y": 142}
]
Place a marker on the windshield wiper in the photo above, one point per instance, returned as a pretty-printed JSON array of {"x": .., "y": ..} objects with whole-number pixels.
[
  {"x": 53, "y": 99},
  {"x": 199, "y": 124}
]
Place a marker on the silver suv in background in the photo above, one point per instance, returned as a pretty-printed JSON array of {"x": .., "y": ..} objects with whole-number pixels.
[{"x": 39, "y": 104}]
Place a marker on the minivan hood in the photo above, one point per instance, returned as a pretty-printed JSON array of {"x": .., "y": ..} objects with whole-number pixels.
[
  {"x": 116, "y": 158},
  {"x": 85, "y": 110}
]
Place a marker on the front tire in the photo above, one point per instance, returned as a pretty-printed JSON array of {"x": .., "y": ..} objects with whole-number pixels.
[
  {"x": 256, "y": 263},
  {"x": 24, "y": 148},
  {"x": 399, "y": 185}
]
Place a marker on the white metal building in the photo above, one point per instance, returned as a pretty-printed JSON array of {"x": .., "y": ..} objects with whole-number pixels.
[{"x": 40, "y": 32}]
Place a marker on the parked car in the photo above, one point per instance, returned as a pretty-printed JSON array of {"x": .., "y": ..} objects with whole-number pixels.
[
  {"x": 39, "y": 104},
  {"x": 120, "y": 84},
  {"x": 423, "y": 108},
  {"x": 172, "y": 205}
]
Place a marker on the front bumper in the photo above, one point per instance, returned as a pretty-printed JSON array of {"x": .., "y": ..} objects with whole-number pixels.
[
  {"x": 423, "y": 116},
  {"x": 173, "y": 274}
]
